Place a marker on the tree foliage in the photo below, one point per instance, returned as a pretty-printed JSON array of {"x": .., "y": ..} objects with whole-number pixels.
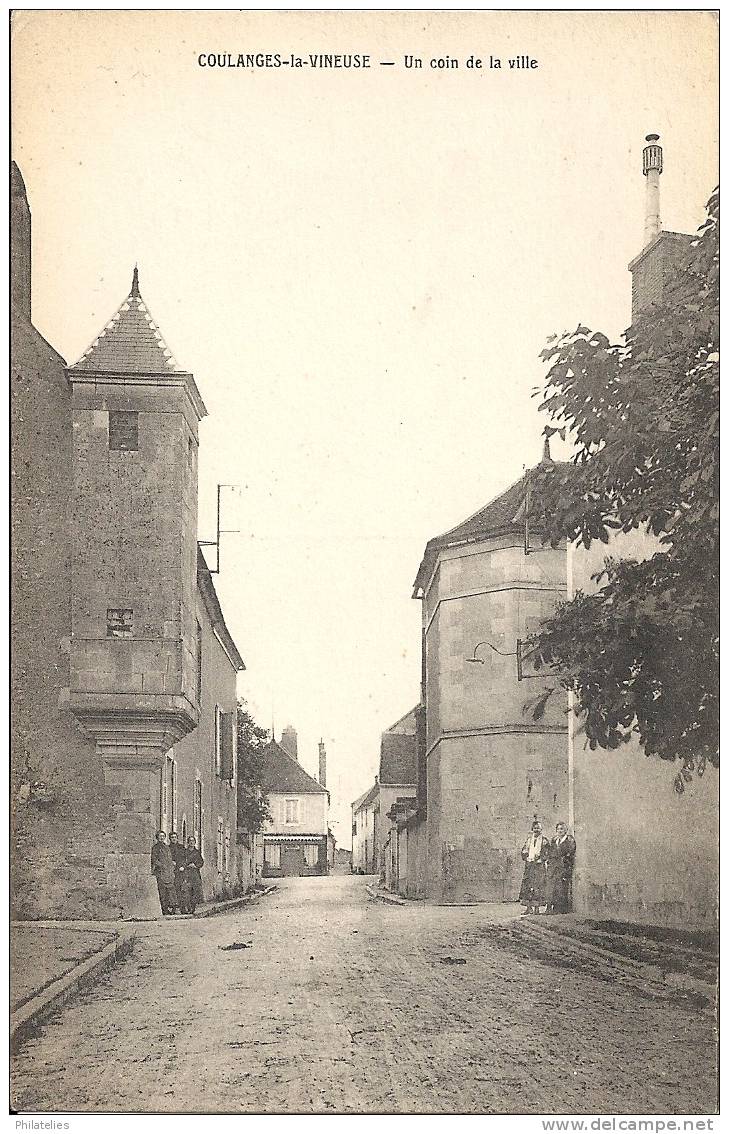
[
  {"x": 253, "y": 809},
  {"x": 641, "y": 653}
]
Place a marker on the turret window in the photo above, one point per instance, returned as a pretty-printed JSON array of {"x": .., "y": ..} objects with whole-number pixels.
[
  {"x": 119, "y": 622},
  {"x": 123, "y": 430}
]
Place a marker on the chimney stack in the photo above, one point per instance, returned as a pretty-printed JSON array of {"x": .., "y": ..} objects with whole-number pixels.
[
  {"x": 322, "y": 764},
  {"x": 652, "y": 170},
  {"x": 289, "y": 741}
]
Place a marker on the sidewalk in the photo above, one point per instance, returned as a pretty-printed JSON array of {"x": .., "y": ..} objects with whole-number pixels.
[
  {"x": 51, "y": 960},
  {"x": 656, "y": 962},
  {"x": 49, "y": 963}
]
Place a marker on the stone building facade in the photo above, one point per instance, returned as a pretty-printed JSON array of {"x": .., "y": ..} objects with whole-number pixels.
[
  {"x": 486, "y": 768},
  {"x": 365, "y": 821},
  {"x": 490, "y": 767},
  {"x": 111, "y": 603}
]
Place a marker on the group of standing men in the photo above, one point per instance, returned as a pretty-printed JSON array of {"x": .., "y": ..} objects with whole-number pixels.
[
  {"x": 177, "y": 870},
  {"x": 548, "y": 865}
]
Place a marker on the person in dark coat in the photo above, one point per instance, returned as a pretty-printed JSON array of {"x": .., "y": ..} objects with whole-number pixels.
[
  {"x": 163, "y": 869},
  {"x": 192, "y": 891},
  {"x": 560, "y": 863},
  {"x": 534, "y": 853},
  {"x": 179, "y": 856}
]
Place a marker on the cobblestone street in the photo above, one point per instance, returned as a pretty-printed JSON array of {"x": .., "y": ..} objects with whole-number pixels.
[{"x": 338, "y": 1003}]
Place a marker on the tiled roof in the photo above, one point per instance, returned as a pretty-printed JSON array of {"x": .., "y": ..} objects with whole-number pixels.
[
  {"x": 398, "y": 759},
  {"x": 210, "y": 597},
  {"x": 405, "y": 723},
  {"x": 130, "y": 343},
  {"x": 368, "y": 797},
  {"x": 503, "y": 513},
  {"x": 281, "y": 773}
]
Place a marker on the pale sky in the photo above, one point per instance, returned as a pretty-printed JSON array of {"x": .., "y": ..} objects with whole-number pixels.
[{"x": 360, "y": 268}]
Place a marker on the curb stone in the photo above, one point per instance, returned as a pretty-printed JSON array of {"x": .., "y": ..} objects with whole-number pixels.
[
  {"x": 55, "y": 995},
  {"x": 384, "y": 896},
  {"x": 640, "y": 974},
  {"x": 236, "y": 903}
]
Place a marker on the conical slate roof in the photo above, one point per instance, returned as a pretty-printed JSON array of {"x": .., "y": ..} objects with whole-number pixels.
[{"x": 130, "y": 343}]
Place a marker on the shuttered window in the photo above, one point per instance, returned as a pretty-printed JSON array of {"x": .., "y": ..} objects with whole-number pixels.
[
  {"x": 218, "y": 739},
  {"x": 226, "y": 854},
  {"x": 199, "y": 661},
  {"x": 220, "y": 847},
  {"x": 227, "y": 747},
  {"x": 197, "y": 815}
]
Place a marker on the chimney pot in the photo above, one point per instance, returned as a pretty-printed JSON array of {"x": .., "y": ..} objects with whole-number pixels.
[{"x": 652, "y": 170}]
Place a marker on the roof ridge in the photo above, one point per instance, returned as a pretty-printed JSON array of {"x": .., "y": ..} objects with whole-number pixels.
[
  {"x": 299, "y": 767},
  {"x": 403, "y": 717}
]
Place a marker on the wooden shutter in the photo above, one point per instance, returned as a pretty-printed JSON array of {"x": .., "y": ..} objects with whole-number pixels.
[{"x": 226, "y": 746}]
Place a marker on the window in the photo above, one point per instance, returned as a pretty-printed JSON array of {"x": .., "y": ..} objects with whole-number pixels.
[
  {"x": 197, "y": 814},
  {"x": 218, "y": 740},
  {"x": 311, "y": 855},
  {"x": 226, "y": 853},
  {"x": 123, "y": 430},
  {"x": 172, "y": 779},
  {"x": 119, "y": 622},
  {"x": 227, "y": 747},
  {"x": 168, "y": 795},
  {"x": 220, "y": 847},
  {"x": 292, "y": 811},
  {"x": 184, "y": 829},
  {"x": 163, "y": 798},
  {"x": 199, "y": 661},
  {"x": 272, "y": 855}
]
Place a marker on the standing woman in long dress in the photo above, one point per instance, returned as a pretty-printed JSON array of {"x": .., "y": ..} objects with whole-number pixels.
[
  {"x": 561, "y": 861},
  {"x": 192, "y": 884},
  {"x": 534, "y": 853}
]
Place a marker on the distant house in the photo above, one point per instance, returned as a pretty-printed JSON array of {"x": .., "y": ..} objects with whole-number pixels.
[
  {"x": 296, "y": 840},
  {"x": 364, "y": 831},
  {"x": 397, "y": 779}
]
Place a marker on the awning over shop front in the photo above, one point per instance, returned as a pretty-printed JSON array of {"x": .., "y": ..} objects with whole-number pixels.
[{"x": 294, "y": 838}]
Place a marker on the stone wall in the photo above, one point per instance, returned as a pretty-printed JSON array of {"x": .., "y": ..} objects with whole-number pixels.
[
  {"x": 644, "y": 853},
  {"x": 68, "y": 825},
  {"x": 652, "y": 268},
  {"x": 195, "y": 759},
  {"x": 490, "y": 766}
]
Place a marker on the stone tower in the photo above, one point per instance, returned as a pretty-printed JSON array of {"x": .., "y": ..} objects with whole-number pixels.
[{"x": 133, "y": 652}]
